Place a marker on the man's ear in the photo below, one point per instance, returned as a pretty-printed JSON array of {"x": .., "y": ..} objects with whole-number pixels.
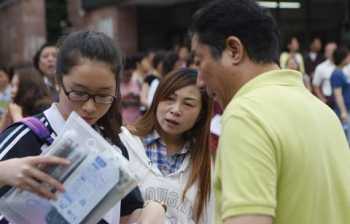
[{"x": 235, "y": 49}]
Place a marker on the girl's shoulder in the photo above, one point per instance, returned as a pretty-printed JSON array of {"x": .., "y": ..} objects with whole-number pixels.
[
  {"x": 19, "y": 141},
  {"x": 132, "y": 142}
]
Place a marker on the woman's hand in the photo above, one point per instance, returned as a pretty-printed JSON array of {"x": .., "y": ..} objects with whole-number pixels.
[
  {"x": 153, "y": 213},
  {"x": 24, "y": 173}
]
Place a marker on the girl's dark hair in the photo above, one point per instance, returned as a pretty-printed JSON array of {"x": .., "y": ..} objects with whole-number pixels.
[
  {"x": 36, "y": 58},
  {"x": 32, "y": 94},
  {"x": 198, "y": 135},
  {"x": 94, "y": 46}
]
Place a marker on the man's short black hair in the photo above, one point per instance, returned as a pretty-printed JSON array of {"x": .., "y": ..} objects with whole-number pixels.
[{"x": 246, "y": 20}]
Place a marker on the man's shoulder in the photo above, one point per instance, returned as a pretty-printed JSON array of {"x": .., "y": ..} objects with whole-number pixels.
[{"x": 240, "y": 107}]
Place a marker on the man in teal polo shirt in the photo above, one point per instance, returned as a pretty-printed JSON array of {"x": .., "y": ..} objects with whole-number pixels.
[{"x": 283, "y": 157}]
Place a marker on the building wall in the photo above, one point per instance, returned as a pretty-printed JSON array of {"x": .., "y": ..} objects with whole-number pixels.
[
  {"x": 135, "y": 27},
  {"x": 127, "y": 29},
  {"x": 117, "y": 22},
  {"x": 22, "y": 25}
]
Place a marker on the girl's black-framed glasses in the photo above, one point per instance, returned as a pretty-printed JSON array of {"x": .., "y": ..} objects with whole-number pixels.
[{"x": 81, "y": 96}]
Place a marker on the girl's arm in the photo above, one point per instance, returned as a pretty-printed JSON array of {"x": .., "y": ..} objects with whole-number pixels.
[{"x": 24, "y": 173}]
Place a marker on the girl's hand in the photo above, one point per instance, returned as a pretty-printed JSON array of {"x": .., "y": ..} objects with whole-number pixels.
[{"x": 24, "y": 173}]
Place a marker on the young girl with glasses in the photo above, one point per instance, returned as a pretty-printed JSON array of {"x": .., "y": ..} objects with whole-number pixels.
[{"x": 88, "y": 68}]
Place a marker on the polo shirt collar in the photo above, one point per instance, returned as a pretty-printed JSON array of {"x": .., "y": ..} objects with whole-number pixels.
[{"x": 281, "y": 77}]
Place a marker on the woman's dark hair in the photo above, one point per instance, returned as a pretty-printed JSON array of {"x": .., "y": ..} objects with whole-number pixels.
[
  {"x": 36, "y": 58},
  {"x": 246, "y": 20},
  {"x": 32, "y": 94},
  {"x": 339, "y": 55},
  {"x": 198, "y": 136},
  {"x": 95, "y": 46}
]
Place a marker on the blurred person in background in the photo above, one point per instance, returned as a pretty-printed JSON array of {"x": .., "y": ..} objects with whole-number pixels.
[
  {"x": 153, "y": 78},
  {"x": 143, "y": 67},
  {"x": 130, "y": 93},
  {"x": 321, "y": 79},
  {"x": 184, "y": 54},
  {"x": 313, "y": 57},
  {"x": 293, "y": 50},
  {"x": 5, "y": 89},
  {"x": 292, "y": 64},
  {"x": 45, "y": 62},
  {"x": 169, "y": 63},
  {"x": 341, "y": 88},
  {"x": 191, "y": 62},
  {"x": 30, "y": 96}
]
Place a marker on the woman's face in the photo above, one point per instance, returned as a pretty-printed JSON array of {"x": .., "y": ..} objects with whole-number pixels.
[
  {"x": 179, "y": 112},
  {"x": 47, "y": 61},
  {"x": 14, "y": 86},
  {"x": 91, "y": 78},
  {"x": 293, "y": 45}
]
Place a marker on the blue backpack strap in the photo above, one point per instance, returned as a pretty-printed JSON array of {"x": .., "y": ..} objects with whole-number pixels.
[{"x": 39, "y": 129}]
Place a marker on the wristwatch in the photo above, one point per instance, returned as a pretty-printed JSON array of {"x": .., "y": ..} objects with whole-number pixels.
[{"x": 165, "y": 207}]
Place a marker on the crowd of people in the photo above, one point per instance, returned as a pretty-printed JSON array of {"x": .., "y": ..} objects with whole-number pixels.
[
  {"x": 326, "y": 73},
  {"x": 273, "y": 122}
]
